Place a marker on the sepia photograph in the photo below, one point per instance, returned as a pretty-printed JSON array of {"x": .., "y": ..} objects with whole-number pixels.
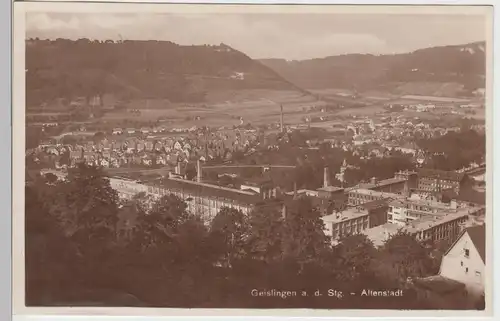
[{"x": 252, "y": 157}]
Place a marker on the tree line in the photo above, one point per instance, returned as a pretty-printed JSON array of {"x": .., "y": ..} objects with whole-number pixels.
[
  {"x": 85, "y": 246},
  {"x": 454, "y": 150}
]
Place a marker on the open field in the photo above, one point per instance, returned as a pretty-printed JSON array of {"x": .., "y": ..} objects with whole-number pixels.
[
  {"x": 332, "y": 91},
  {"x": 369, "y": 95},
  {"x": 255, "y": 95},
  {"x": 329, "y": 124},
  {"x": 362, "y": 111},
  {"x": 393, "y": 90},
  {"x": 256, "y": 107},
  {"x": 435, "y": 99},
  {"x": 429, "y": 88}
]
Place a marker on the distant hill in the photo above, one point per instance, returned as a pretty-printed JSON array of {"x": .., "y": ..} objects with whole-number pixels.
[
  {"x": 420, "y": 72},
  {"x": 139, "y": 70}
]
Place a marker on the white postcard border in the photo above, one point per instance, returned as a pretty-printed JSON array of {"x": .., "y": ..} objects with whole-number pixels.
[{"x": 18, "y": 150}]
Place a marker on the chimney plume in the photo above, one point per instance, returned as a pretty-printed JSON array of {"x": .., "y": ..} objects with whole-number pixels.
[
  {"x": 198, "y": 171},
  {"x": 326, "y": 177}
]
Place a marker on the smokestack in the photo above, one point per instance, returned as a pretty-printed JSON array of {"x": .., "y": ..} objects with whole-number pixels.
[
  {"x": 198, "y": 171},
  {"x": 406, "y": 190},
  {"x": 282, "y": 123},
  {"x": 326, "y": 177},
  {"x": 178, "y": 168},
  {"x": 283, "y": 211}
]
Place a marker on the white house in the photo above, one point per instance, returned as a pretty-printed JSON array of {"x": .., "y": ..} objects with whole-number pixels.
[
  {"x": 160, "y": 160},
  {"x": 104, "y": 162},
  {"x": 465, "y": 260},
  {"x": 178, "y": 145}
]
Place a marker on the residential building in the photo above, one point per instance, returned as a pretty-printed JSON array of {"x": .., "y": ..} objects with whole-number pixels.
[{"x": 465, "y": 260}]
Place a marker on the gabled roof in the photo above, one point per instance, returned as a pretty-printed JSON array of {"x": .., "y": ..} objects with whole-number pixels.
[{"x": 478, "y": 236}]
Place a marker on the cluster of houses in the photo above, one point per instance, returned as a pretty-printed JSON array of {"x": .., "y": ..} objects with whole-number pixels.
[
  {"x": 154, "y": 151},
  {"x": 377, "y": 138}
]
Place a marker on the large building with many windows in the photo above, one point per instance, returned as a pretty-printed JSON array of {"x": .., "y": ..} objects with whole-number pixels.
[
  {"x": 202, "y": 199},
  {"x": 442, "y": 225},
  {"x": 394, "y": 185},
  {"x": 436, "y": 180},
  {"x": 404, "y": 211},
  {"x": 447, "y": 227},
  {"x": 355, "y": 219},
  {"x": 358, "y": 196}
]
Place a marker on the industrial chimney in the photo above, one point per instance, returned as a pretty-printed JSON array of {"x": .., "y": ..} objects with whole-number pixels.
[
  {"x": 198, "y": 171},
  {"x": 283, "y": 210},
  {"x": 282, "y": 122},
  {"x": 326, "y": 177}
]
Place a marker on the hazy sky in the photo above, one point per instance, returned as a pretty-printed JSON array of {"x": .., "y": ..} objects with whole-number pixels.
[{"x": 289, "y": 36}]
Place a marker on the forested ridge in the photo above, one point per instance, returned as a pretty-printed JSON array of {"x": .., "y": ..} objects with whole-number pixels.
[
  {"x": 463, "y": 64},
  {"x": 129, "y": 69}
]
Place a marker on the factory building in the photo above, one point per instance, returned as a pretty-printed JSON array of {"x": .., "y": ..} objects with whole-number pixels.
[
  {"x": 446, "y": 227},
  {"x": 202, "y": 199},
  {"x": 436, "y": 180}
]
